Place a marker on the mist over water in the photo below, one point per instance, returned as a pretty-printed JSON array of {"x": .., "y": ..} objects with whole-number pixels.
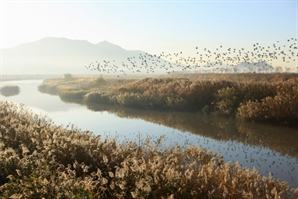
[{"x": 268, "y": 149}]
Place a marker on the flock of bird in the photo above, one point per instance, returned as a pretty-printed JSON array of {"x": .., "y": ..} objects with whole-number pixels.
[{"x": 218, "y": 60}]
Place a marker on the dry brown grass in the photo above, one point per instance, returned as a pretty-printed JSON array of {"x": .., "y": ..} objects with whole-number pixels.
[
  {"x": 238, "y": 77},
  {"x": 258, "y": 101},
  {"x": 81, "y": 83},
  {"x": 41, "y": 160}
]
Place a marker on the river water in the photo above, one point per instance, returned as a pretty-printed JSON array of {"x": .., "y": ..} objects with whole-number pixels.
[{"x": 269, "y": 149}]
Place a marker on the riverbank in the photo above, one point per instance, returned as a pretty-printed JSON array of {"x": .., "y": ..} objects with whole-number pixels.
[
  {"x": 26, "y": 77},
  {"x": 40, "y": 159},
  {"x": 254, "y": 99}
]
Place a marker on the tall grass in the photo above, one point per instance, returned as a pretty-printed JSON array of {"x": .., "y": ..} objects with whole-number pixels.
[
  {"x": 168, "y": 93},
  {"x": 240, "y": 77},
  {"x": 253, "y": 101},
  {"x": 69, "y": 94},
  {"x": 228, "y": 99},
  {"x": 41, "y": 160},
  {"x": 279, "y": 108},
  {"x": 258, "y": 101}
]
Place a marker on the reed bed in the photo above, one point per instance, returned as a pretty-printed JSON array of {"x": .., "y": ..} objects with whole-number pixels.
[
  {"x": 238, "y": 77},
  {"x": 279, "y": 108},
  {"x": 253, "y": 101},
  {"x": 9, "y": 90},
  {"x": 71, "y": 94},
  {"x": 39, "y": 159},
  {"x": 80, "y": 83},
  {"x": 273, "y": 101}
]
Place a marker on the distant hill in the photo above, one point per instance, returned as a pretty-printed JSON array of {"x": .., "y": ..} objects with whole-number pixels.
[
  {"x": 60, "y": 55},
  {"x": 254, "y": 66},
  {"x": 242, "y": 67}
]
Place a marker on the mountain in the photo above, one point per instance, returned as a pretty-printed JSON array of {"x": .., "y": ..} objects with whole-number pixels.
[
  {"x": 60, "y": 55},
  {"x": 52, "y": 55},
  {"x": 109, "y": 46}
]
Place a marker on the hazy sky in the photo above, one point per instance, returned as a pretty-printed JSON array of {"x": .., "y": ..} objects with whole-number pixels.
[{"x": 151, "y": 26}]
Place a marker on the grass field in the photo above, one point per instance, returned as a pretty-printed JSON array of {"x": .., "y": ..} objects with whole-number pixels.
[
  {"x": 39, "y": 159},
  {"x": 266, "y": 98}
]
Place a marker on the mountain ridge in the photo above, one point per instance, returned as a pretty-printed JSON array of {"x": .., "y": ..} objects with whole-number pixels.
[{"x": 50, "y": 54}]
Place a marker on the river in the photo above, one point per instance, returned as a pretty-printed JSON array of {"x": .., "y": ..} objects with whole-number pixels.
[{"x": 269, "y": 149}]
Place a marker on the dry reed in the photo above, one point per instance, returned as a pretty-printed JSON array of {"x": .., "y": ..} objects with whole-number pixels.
[
  {"x": 39, "y": 159},
  {"x": 258, "y": 101}
]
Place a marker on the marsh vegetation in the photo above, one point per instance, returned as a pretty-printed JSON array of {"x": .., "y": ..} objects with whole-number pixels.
[
  {"x": 265, "y": 98},
  {"x": 42, "y": 160}
]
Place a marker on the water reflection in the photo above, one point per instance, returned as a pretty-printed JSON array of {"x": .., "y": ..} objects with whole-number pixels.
[
  {"x": 270, "y": 149},
  {"x": 53, "y": 92},
  {"x": 267, "y": 148},
  {"x": 281, "y": 139}
]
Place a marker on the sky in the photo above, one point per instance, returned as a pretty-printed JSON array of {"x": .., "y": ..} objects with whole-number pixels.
[{"x": 151, "y": 26}]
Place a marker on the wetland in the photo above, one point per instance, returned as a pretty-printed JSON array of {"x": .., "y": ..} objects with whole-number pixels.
[{"x": 270, "y": 149}]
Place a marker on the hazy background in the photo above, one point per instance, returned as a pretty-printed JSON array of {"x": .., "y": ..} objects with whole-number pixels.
[{"x": 149, "y": 26}]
